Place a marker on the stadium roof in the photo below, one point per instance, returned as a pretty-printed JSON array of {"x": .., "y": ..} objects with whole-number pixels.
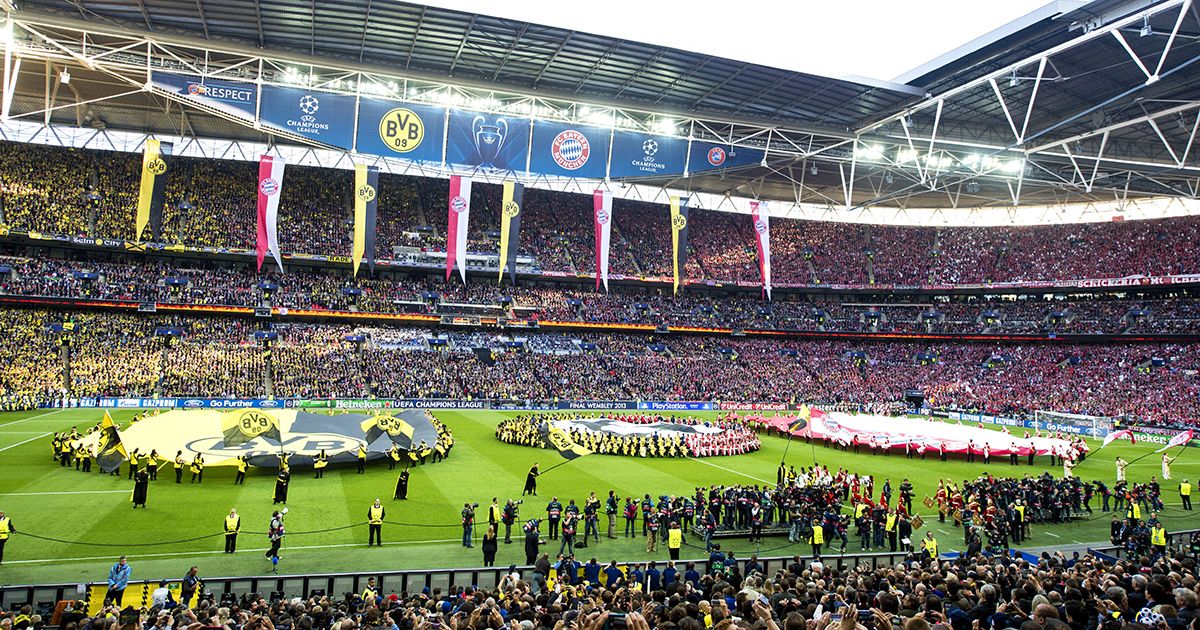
[{"x": 1074, "y": 112}]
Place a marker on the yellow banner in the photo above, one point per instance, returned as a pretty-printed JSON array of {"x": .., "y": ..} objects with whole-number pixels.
[
  {"x": 363, "y": 193},
  {"x": 152, "y": 166},
  {"x": 510, "y": 213}
]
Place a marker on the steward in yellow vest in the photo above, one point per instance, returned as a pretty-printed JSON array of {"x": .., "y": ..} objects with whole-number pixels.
[
  {"x": 817, "y": 538},
  {"x": 375, "y": 515},
  {"x": 6, "y": 527},
  {"x": 1158, "y": 538},
  {"x": 319, "y": 464},
  {"x": 370, "y": 592},
  {"x": 233, "y": 525},
  {"x": 240, "y": 478},
  {"x": 930, "y": 546}
]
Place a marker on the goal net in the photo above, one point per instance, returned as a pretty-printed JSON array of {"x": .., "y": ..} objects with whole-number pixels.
[{"x": 1091, "y": 426}]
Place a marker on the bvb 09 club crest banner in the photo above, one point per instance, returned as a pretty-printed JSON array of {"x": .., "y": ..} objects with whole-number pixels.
[{"x": 401, "y": 130}]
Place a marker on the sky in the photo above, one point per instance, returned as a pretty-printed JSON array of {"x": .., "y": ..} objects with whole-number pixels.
[{"x": 877, "y": 39}]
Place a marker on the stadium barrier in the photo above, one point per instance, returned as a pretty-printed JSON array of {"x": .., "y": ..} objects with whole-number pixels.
[
  {"x": 1177, "y": 542},
  {"x": 399, "y": 403},
  {"x": 338, "y": 584}
]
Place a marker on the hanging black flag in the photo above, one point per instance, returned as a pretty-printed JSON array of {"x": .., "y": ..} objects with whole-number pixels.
[
  {"x": 153, "y": 189},
  {"x": 510, "y": 228}
]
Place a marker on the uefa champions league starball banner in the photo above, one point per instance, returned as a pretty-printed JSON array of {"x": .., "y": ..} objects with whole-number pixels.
[
  {"x": 321, "y": 116},
  {"x": 302, "y": 435},
  {"x": 646, "y": 155}
]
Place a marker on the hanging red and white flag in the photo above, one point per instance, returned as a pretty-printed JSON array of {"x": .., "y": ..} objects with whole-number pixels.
[
  {"x": 602, "y": 205},
  {"x": 1179, "y": 439},
  {"x": 456, "y": 226},
  {"x": 270, "y": 186},
  {"x": 762, "y": 231}
]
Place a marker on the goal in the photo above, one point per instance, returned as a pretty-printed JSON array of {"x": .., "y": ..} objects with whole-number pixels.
[{"x": 1091, "y": 426}]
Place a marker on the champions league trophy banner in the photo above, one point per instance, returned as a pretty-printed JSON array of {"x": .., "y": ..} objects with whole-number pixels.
[{"x": 488, "y": 141}]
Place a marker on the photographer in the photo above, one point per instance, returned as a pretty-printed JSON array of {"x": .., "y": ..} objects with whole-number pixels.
[
  {"x": 508, "y": 517},
  {"x": 468, "y": 523}
]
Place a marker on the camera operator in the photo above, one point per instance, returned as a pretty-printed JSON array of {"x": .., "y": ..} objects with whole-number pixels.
[
  {"x": 508, "y": 517},
  {"x": 468, "y": 523}
]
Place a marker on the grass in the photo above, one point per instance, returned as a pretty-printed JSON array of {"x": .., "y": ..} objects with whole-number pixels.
[{"x": 94, "y": 511}]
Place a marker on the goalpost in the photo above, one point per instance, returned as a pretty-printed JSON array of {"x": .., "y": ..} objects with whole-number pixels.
[{"x": 1091, "y": 426}]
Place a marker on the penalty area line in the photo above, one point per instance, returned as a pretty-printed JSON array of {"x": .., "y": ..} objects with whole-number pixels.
[
  {"x": 736, "y": 472},
  {"x": 217, "y": 551}
]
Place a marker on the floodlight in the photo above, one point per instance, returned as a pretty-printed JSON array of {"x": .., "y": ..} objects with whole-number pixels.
[
  {"x": 1147, "y": 30},
  {"x": 65, "y": 77}
]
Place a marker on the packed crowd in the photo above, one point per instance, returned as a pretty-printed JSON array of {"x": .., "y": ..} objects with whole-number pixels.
[
  {"x": 658, "y": 436},
  {"x": 170, "y": 281},
  {"x": 124, "y": 355},
  {"x": 45, "y": 189}
]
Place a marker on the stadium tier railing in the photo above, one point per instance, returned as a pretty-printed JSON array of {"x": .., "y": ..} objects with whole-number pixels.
[
  {"x": 1177, "y": 542},
  {"x": 413, "y": 581}
]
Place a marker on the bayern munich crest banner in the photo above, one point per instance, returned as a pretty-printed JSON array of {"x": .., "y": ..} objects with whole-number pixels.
[
  {"x": 762, "y": 234},
  {"x": 270, "y": 186},
  {"x": 456, "y": 226},
  {"x": 602, "y": 207},
  {"x": 564, "y": 150}
]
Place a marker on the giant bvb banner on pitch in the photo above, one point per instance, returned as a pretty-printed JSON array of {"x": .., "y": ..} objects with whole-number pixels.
[{"x": 301, "y": 434}]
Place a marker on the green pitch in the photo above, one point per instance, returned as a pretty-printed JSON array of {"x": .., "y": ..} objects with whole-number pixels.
[{"x": 44, "y": 499}]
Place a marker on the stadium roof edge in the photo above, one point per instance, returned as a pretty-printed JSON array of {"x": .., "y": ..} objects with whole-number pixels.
[
  {"x": 601, "y": 71},
  {"x": 1050, "y": 11}
]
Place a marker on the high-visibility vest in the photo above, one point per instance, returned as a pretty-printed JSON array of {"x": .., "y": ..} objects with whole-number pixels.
[
  {"x": 818, "y": 535},
  {"x": 891, "y": 523},
  {"x": 4, "y": 529},
  {"x": 1185, "y": 489},
  {"x": 362, "y": 452},
  {"x": 1135, "y": 511},
  {"x": 675, "y": 538},
  {"x": 233, "y": 524},
  {"x": 931, "y": 548},
  {"x": 1021, "y": 512},
  {"x": 376, "y": 515},
  {"x": 369, "y": 594},
  {"x": 1158, "y": 536},
  {"x": 241, "y": 464}
]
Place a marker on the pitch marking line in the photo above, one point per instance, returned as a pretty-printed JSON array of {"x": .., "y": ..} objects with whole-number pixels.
[
  {"x": 38, "y": 494},
  {"x": 23, "y": 442},
  {"x": 1053, "y": 534},
  {"x": 40, "y": 415},
  {"x": 736, "y": 472},
  {"x": 214, "y": 551}
]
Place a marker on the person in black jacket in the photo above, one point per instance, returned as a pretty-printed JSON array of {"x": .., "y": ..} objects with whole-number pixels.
[
  {"x": 532, "y": 540},
  {"x": 489, "y": 546}
]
